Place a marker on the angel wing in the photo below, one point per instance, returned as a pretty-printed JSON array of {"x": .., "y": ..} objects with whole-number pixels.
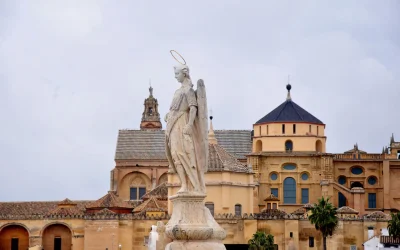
[{"x": 202, "y": 113}]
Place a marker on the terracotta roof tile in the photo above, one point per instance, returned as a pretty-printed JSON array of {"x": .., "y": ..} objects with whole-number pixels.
[
  {"x": 346, "y": 210},
  {"x": 273, "y": 212},
  {"x": 160, "y": 192},
  {"x": 308, "y": 205},
  {"x": 66, "y": 202},
  {"x": 29, "y": 208},
  {"x": 105, "y": 211},
  {"x": 377, "y": 215},
  {"x": 66, "y": 211},
  {"x": 152, "y": 205},
  {"x": 110, "y": 200},
  {"x": 220, "y": 160},
  {"x": 271, "y": 197},
  {"x": 300, "y": 211}
]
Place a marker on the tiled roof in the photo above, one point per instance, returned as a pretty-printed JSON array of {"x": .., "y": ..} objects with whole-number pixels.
[
  {"x": 149, "y": 144},
  {"x": 105, "y": 211},
  {"x": 355, "y": 149},
  {"x": 271, "y": 197},
  {"x": 289, "y": 111},
  {"x": 308, "y": 205},
  {"x": 36, "y": 208},
  {"x": 110, "y": 200},
  {"x": 300, "y": 211},
  {"x": 66, "y": 201},
  {"x": 346, "y": 210},
  {"x": 66, "y": 211},
  {"x": 377, "y": 215},
  {"x": 160, "y": 192},
  {"x": 220, "y": 160},
  {"x": 273, "y": 212},
  {"x": 236, "y": 142},
  {"x": 152, "y": 205}
]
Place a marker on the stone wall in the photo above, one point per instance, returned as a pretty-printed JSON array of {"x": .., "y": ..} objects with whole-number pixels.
[{"x": 130, "y": 231}]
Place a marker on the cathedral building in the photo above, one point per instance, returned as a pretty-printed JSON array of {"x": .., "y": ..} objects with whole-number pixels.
[{"x": 262, "y": 179}]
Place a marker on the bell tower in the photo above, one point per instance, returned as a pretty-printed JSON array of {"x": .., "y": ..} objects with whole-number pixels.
[{"x": 150, "y": 116}]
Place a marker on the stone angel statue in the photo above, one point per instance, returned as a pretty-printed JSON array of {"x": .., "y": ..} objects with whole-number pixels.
[{"x": 186, "y": 133}]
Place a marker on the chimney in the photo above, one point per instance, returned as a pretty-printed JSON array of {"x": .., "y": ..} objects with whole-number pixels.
[{"x": 370, "y": 232}]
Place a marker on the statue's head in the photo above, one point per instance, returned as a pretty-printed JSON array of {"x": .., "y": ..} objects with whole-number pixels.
[{"x": 181, "y": 73}]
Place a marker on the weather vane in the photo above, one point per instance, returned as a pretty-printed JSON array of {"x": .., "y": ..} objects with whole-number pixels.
[{"x": 183, "y": 63}]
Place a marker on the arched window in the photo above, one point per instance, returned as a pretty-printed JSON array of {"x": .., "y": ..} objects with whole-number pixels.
[
  {"x": 342, "y": 200},
  {"x": 356, "y": 184},
  {"x": 210, "y": 206},
  {"x": 137, "y": 189},
  {"x": 289, "y": 191},
  {"x": 259, "y": 146},
  {"x": 238, "y": 210},
  {"x": 288, "y": 145}
]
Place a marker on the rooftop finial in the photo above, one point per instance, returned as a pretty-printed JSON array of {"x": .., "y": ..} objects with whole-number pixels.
[
  {"x": 211, "y": 134},
  {"x": 288, "y": 87},
  {"x": 392, "y": 139},
  {"x": 151, "y": 88}
]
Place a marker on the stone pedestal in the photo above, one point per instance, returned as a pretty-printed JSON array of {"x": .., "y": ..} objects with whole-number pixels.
[{"x": 192, "y": 226}]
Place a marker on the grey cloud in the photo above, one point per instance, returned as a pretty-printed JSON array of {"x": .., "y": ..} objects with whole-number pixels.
[{"x": 72, "y": 74}]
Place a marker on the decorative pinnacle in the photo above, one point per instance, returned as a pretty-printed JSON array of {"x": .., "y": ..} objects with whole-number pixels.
[
  {"x": 288, "y": 87},
  {"x": 211, "y": 134}
]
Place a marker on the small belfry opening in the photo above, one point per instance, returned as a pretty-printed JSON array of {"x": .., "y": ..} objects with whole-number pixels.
[{"x": 289, "y": 145}]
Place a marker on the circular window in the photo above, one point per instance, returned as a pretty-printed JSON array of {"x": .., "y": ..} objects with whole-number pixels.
[
  {"x": 274, "y": 177},
  {"x": 372, "y": 180},
  {"x": 356, "y": 170},
  {"x": 304, "y": 176},
  {"x": 342, "y": 180}
]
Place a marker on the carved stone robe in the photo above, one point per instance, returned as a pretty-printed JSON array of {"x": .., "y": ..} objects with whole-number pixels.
[{"x": 182, "y": 149}]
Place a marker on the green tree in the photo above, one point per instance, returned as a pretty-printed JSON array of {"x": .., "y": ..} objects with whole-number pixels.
[
  {"x": 323, "y": 216},
  {"x": 261, "y": 241},
  {"x": 394, "y": 225}
]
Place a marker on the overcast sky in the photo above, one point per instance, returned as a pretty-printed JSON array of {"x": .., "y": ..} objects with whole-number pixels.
[{"x": 72, "y": 73}]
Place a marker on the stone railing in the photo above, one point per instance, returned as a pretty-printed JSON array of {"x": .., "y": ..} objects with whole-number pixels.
[{"x": 358, "y": 157}]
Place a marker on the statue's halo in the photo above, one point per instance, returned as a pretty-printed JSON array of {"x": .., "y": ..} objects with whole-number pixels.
[{"x": 184, "y": 62}]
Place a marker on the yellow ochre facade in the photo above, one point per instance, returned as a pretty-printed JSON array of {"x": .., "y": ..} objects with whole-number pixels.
[{"x": 262, "y": 179}]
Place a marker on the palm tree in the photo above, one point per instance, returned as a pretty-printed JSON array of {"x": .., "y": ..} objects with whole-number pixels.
[
  {"x": 323, "y": 216},
  {"x": 261, "y": 241},
  {"x": 394, "y": 225}
]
